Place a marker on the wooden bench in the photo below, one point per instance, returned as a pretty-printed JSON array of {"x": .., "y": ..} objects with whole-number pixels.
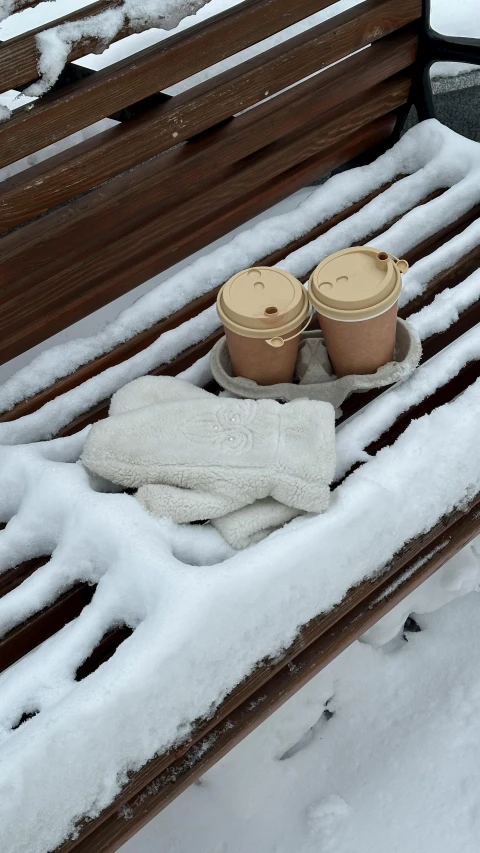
[{"x": 91, "y": 223}]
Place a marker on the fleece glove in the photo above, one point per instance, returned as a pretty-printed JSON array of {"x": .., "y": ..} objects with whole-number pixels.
[{"x": 193, "y": 456}]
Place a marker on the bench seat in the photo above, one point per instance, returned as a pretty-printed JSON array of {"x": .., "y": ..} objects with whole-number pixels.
[{"x": 153, "y": 649}]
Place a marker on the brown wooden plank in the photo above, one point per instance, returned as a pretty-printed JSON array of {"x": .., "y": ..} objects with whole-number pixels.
[
  {"x": 452, "y": 229},
  {"x": 19, "y": 55},
  {"x": 158, "y": 183},
  {"x": 272, "y": 683},
  {"x": 263, "y": 199},
  {"x": 425, "y": 247},
  {"x": 26, "y": 637},
  {"x": 14, "y": 577},
  {"x": 223, "y": 738},
  {"x": 235, "y": 28},
  {"x": 138, "y": 76},
  {"x": 446, "y": 279},
  {"x": 39, "y": 627},
  {"x": 138, "y": 255},
  {"x": 120, "y": 148},
  {"x": 444, "y": 394},
  {"x": 106, "y": 648},
  {"x": 466, "y": 321},
  {"x": 433, "y": 345}
]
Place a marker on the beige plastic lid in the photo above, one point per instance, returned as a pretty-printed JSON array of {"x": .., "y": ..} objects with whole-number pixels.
[
  {"x": 356, "y": 284},
  {"x": 262, "y": 302}
]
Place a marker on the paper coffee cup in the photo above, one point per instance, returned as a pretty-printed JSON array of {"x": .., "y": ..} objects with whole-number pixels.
[
  {"x": 263, "y": 310},
  {"x": 355, "y": 293}
]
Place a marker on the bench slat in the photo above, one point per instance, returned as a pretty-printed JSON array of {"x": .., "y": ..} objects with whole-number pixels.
[
  {"x": 144, "y": 339},
  {"x": 26, "y": 637},
  {"x": 14, "y": 577},
  {"x": 148, "y": 71},
  {"x": 120, "y": 148},
  {"x": 117, "y": 268},
  {"x": 447, "y": 278},
  {"x": 19, "y": 55},
  {"x": 39, "y": 627},
  {"x": 162, "y": 181}
]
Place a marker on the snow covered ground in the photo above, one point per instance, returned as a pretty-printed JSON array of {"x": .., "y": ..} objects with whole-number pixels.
[{"x": 394, "y": 769}]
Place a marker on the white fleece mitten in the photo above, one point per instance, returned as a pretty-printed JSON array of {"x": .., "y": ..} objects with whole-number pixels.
[
  {"x": 204, "y": 457},
  {"x": 148, "y": 390},
  {"x": 251, "y": 524}
]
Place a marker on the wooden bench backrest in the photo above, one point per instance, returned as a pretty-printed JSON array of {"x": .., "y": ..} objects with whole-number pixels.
[{"x": 89, "y": 224}]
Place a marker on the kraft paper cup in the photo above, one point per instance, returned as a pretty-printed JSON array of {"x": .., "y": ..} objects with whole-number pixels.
[
  {"x": 263, "y": 311},
  {"x": 355, "y": 293}
]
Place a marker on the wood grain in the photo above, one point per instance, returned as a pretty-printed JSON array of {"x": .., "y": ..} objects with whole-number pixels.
[
  {"x": 448, "y": 278},
  {"x": 55, "y": 303},
  {"x": 118, "y": 149},
  {"x": 12, "y": 578},
  {"x": 163, "y": 64},
  {"x": 19, "y": 55},
  {"x": 153, "y": 186},
  {"x": 142, "y": 74},
  {"x": 442, "y": 395},
  {"x": 147, "y": 337}
]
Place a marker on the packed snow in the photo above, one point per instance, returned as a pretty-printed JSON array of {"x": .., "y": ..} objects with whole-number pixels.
[{"x": 377, "y": 753}]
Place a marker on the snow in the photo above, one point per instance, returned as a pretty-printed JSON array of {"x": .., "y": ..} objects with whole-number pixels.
[
  {"x": 455, "y": 19},
  {"x": 419, "y": 276},
  {"x": 202, "y": 616},
  {"x": 447, "y": 307},
  {"x": 430, "y": 155},
  {"x": 376, "y": 418},
  {"x": 56, "y": 43},
  {"x": 395, "y": 767}
]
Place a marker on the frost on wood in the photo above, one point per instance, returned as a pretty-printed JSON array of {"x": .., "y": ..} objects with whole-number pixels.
[{"x": 54, "y": 45}]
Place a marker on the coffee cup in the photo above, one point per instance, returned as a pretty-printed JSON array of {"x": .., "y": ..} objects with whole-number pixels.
[
  {"x": 355, "y": 294},
  {"x": 263, "y": 311}
]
